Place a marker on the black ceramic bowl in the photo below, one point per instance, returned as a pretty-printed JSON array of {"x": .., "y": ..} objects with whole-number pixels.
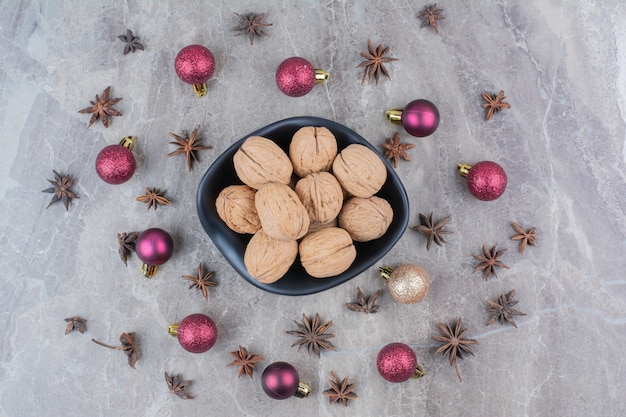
[{"x": 296, "y": 282}]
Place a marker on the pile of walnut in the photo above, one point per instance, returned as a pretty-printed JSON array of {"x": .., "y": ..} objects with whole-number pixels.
[{"x": 321, "y": 198}]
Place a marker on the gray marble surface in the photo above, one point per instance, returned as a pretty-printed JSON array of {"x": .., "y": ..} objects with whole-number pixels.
[{"x": 562, "y": 65}]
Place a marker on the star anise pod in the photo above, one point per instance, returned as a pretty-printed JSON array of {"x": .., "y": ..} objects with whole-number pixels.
[
  {"x": 189, "y": 146},
  {"x": 488, "y": 261},
  {"x": 202, "y": 281},
  {"x": 154, "y": 197},
  {"x": 312, "y": 334},
  {"x": 245, "y": 360},
  {"x": 340, "y": 390},
  {"x": 251, "y": 25},
  {"x": 525, "y": 237},
  {"x": 61, "y": 189},
  {"x": 132, "y": 42},
  {"x": 494, "y": 103},
  {"x": 394, "y": 150},
  {"x": 126, "y": 245},
  {"x": 102, "y": 108},
  {"x": 432, "y": 230},
  {"x": 502, "y": 309},
  {"x": 75, "y": 323},
  {"x": 364, "y": 305},
  {"x": 430, "y": 15},
  {"x": 454, "y": 344},
  {"x": 128, "y": 347},
  {"x": 177, "y": 386},
  {"x": 375, "y": 64}
]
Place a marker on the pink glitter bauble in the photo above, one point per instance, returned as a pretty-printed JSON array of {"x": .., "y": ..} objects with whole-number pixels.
[
  {"x": 280, "y": 380},
  {"x": 486, "y": 180},
  {"x": 115, "y": 164},
  {"x": 154, "y": 246},
  {"x": 194, "y": 64},
  {"x": 396, "y": 362},
  {"x": 295, "y": 76},
  {"x": 420, "y": 118},
  {"x": 197, "y": 333}
]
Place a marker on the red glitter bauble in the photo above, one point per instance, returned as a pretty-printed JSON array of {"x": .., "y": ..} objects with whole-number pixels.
[
  {"x": 197, "y": 333},
  {"x": 295, "y": 76},
  {"x": 396, "y": 362},
  {"x": 420, "y": 118},
  {"x": 194, "y": 64},
  {"x": 115, "y": 164},
  {"x": 280, "y": 380},
  {"x": 486, "y": 180}
]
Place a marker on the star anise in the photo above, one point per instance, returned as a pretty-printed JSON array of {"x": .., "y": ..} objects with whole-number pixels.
[
  {"x": 189, "y": 146},
  {"x": 102, "y": 108},
  {"x": 251, "y": 25},
  {"x": 202, "y": 281},
  {"x": 375, "y": 64},
  {"x": 364, "y": 305},
  {"x": 430, "y": 15},
  {"x": 525, "y": 237},
  {"x": 61, "y": 189},
  {"x": 340, "y": 390},
  {"x": 454, "y": 345},
  {"x": 177, "y": 386},
  {"x": 488, "y": 261},
  {"x": 494, "y": 103},
  {"x": 154, "y": 197},
  {"x": 132, "y": 42},
  {"x": 394, "y": 150},
  {"x": 128, "y": 347},
  {"x": 502, "y": 309},
  {"x": 75, "y": 323},
  {"x": 433, "y": 231},
  {"x": 245, "y": 360},
  {"x": 312, "y": 334},
  {"x": 126, "y": 245}
]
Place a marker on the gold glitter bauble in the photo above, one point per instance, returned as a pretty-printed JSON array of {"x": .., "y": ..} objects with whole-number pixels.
[{"x": 408, "y": 283}]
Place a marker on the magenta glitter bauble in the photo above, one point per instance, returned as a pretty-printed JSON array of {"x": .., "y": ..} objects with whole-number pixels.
[
  {"x": 280, "y": 380},
  {"x": 295, "y": 76},
  {"x": 197, "y": 333},
  {"x": 420, "y": 118},
  {"x": 154, "y": 246},
  {"x": 486, "y": 180},
  {"x": 396, "y": 362},
  {"x": 194, "y": 64},
  {"x": 115, "y": 164}
]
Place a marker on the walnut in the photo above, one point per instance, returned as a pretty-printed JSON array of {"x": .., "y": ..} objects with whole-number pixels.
[
  {"x": 359, "y": 170},
  {"x": 366, "y": 218},
  {"x": 268, "y": 259},
  {"x": 282, "y": 214},
  {"x": 312, "y": 149},
  {"x": 235, "y": 206},
  {"x": 259, "y": 161},
  {"x": 327, "y": 253},
  {"x": 322, "y": 196},
  {"x": 315, "y": 226}
]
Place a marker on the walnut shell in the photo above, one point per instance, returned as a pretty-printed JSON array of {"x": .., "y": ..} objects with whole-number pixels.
[
  {"x": 322, "y": 196},
  {"x": 359, "y": 170},
  {"x": 268, "y": 259},
  {"x": 312, "y": 149},
  {"x": 235, "y": 206},
  {"x": 259, "y": 161},
  {"x": 327, "y": 252},
  {"x": 282, "y": 214},
  {"x": 366, "y": 218}
]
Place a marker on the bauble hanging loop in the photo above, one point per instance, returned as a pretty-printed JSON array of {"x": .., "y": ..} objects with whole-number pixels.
[
  {"x": 407, "y": 283},
  {"x": 396, "y": 362},
  {"x": 154, "y": 247},
  {"x": 115, "y": 164},
  {"x": 486, "y": 180},
  {"x": 296, "y": 76},
  {"x": 280, "y": 380},
  {"x": 196, "y": 333},
  {"x": 419, "y": 118},
  {"x": 194, "y": 65}
]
